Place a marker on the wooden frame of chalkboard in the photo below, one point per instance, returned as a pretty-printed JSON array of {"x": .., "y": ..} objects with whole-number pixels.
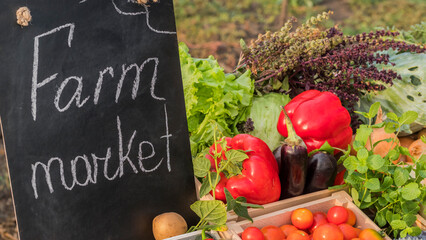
[{"x": 93, "y": 112}]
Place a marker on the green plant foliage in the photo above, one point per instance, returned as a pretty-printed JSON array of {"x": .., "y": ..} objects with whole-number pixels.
[{"x": 392, "y": 191}]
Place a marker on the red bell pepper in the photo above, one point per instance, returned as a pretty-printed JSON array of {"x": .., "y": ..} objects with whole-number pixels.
[
  {"x": 258, "y": 182},
  {"x": 318, "y": 117}
]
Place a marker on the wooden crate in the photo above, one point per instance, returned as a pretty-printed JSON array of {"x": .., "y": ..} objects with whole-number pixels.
[
  {"x": 192, "y": 236},
  {"x": 281, "y": 217},
  {"x": 271, "y": 207}
]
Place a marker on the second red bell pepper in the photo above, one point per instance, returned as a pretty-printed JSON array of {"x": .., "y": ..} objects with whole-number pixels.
[
  {"x": 318, "y": 117},
  {"x": 258, "y": 182}
]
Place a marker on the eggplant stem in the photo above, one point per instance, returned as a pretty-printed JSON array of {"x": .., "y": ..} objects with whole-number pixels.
[{"x": 292, "y": 139}]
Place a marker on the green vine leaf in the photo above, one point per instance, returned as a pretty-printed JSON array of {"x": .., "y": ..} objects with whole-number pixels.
[
  {"x": 410, "y": 191},
  {"x": 375, "y": 162},
  {"x": 373, "y": 184},
  {"x": 201, "y": 164},
  {"x": 400, "y": 176},
  {"x": 213, "y": 211}
]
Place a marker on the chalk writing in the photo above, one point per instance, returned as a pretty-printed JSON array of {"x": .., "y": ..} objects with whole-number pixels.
[
  {"x": 91, "y": 169},
  {"x": 76, "y": 97},
  {"x": 35, "y": 83},
  {"x": 146, "y": 12}
]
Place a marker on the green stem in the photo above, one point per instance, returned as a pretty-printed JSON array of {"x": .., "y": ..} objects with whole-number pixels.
[
  {"x": 292, "y": 139},
  {"x": 203, "y": 234}
]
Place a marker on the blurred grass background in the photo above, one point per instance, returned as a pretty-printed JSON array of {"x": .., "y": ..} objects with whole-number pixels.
[{"x": 215, "y": 27}]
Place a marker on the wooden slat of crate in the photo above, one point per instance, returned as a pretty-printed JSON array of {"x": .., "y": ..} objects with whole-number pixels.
[
  {"x": 282, "y": 216},
  {"x": 271, "y": 207}
]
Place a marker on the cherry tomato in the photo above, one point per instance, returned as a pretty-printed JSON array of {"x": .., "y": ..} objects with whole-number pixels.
[
  {"x": 252, "y": 233},
  {"x": 370, "y": 234},
  {"x": 337, "y": 215},
  {"x": 348, "y": 231},
  {"x": 287, "y": 229},
  {"x": 302, "y": 218},
  {"x": 328, "y": 231},
  {"x": 351, "y": 217},
  {"x": 298, "y": 235},
  {"x": 358, "y": 231},
  {"x": 319, "y": 219},
  {"x": 273, "y": 233}
]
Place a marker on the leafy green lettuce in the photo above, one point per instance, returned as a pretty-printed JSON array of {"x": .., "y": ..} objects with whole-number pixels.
[
  {"x": 265, "y": 112},
  {"x": 215, "y": 101},
  {"x": 406, "y": 94}
]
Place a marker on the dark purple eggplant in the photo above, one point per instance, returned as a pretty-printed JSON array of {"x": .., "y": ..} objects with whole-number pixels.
[
  {"x": 294, "y": 159},
  {"x": 322, "y": 170},
  {"x": 277, "y": 155}
]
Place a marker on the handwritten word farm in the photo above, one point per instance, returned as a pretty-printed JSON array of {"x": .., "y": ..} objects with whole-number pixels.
[{"x": 110, "y": 164}]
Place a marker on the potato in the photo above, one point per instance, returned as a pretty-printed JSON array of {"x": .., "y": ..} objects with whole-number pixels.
[{"x": 168, "y": 225}]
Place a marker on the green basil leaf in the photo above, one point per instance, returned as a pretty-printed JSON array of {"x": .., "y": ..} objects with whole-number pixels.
[
  {"x": 355, "y": 196},
  {"x": 358, "y": 145},
  {"x": 409, "y": 219},
  {"x": 362, "y": 134},
  {"x": 411, "y": 191},
  {"x": 408, "y": 117},
  {"x": 362, "y": 155},
  {"x": 382, "y": 201},
  {"x": 390, "y": 127},
  {"x": 366, "y": 115},
  {"x": 404, "y": 150},
  {"x": 362, "y": 169},
  {"x": 403, "y": 233},
  {"x": 393, "y": 196},
  {"x": 398, "y": 224},
  {"x": 400, "y": 176},
  {"x": 380, "y": 219},
  {"x": 375, "y": 162},
  {"x": 351, "y": 163},
  {"x": 213, "y": 211},
  {"x": 422, "y": 173},
  {"x": 387, "y": 182},
  {"x": 374, "y": 108},
  {"x": 392, "y": 116},
  {"x": 410, "y": 207},
  {"x": 373, "y": 184},
  {"x": 389, "y": 216},
  {"x": 415, "y": 231}
]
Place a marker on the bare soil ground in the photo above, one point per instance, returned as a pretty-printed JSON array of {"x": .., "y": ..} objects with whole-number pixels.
[{"x": 7, "y": 215}]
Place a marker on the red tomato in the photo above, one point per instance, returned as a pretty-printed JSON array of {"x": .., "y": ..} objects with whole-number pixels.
[
  {"x": 370, "y": 234},
  {"x": 273, "y": 233},
  {"x": 328, "y": 231},
  {"x": 319, "y": 219},
  {"x": 358, "y": 231},
  {"x": 287, "y": 229},
  {"x": 298, "y": 235},
  {"x": 302, "y": 218},
  {"x": 351, "y": 217},
  {"x": 252, "y": 233},
  {"x": 337, "y": 215},
  {"x": 348, "y": 231}
]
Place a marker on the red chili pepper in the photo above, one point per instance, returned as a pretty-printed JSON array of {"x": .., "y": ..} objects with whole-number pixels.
[
  {"x": 259, "y": 182},
  {"x": 318, "y": 117}
]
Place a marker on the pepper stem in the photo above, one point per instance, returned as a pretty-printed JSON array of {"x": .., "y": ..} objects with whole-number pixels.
[{"x": 292, "y": 139}]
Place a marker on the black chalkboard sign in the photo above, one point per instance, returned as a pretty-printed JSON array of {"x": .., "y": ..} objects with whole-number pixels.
[{"x": 93, "y": 118}]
